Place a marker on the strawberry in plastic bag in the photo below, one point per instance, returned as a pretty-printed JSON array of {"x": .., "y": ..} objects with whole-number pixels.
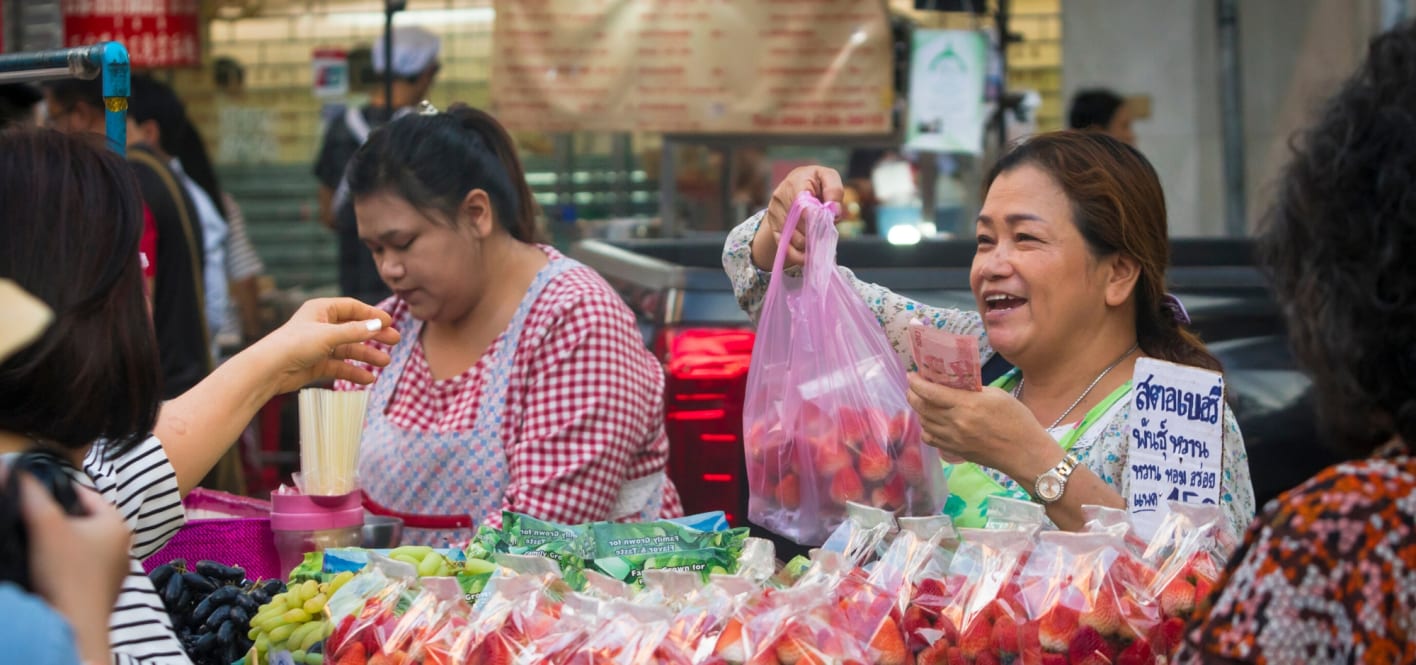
[
  {"x": 1086, "y": 600},
  {"x": 980, "y": 618},
  {"x": 825, "y": 417},
  {"x": 513, "y": 611},
  {"x": 1188, "y": 553}
]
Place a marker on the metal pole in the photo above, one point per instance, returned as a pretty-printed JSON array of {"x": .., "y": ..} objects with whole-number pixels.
[
  {"x": 622, "y": 166},
  {"x": 728, "y": 173},
  {"x": 109, "y": 59},
  {"x": 1001, "y": 20},
  {"x": 668, "y": 219},
  {"x": 116, "y": 80},
  {"x": 1231, "y": 112},
  {"x": 564, "y": 147},
  {"x": 389, "y": 8}
]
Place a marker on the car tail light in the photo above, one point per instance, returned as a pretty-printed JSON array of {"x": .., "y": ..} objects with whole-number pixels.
[{"x": 705, "y": 377}]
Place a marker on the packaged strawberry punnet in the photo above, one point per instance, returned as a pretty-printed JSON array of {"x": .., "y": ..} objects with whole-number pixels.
[
  {"x": 825, "y": 418},
  {"x": 425, "y": 630},
  {"x": 1188, "y": 553},
  {"x": 1115, "y": 521},
  {"x": 513, "y": 611},
  {"x": 862, "y": 536},
  {"x": 703, "y": 615},
  {"x": 1083, "y": 601},
  {"x": 804, "y": 625},
  {"x": 364, "y": 610},
  {"x": 747, "y": 632},
  {"x": 1009, "y": 513},
  {"x": 981, "y": 616},
  {"x": 909, "y": 559}
]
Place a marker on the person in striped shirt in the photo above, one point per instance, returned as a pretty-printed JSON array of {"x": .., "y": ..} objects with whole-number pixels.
[
  {"x": 74, "y": 564},
  {"x": 88, "y": 388}
]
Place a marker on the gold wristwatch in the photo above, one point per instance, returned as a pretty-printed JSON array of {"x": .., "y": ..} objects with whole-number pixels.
[{"x": 1050, "y": 486}]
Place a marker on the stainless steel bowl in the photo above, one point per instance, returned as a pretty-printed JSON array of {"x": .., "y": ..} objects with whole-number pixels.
[{"x": 381, "y": 532}]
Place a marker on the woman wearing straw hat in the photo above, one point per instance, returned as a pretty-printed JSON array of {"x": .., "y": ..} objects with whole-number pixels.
[
  {"x": 76, "y": 563},
  {"x": 87, "y": 388}
]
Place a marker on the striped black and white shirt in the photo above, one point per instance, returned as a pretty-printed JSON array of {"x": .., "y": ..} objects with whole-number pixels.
[{"x": 143, "y": 485}]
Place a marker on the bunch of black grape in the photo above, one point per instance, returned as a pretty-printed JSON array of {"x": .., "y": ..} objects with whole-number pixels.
[{"x": 211, "y": 607}]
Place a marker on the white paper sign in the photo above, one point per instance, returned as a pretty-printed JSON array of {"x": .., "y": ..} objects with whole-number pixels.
[
  {"x": 1177, "y": 433},
  {"x": 330, "y": 70},
  {"x": 947, "y": 70}
]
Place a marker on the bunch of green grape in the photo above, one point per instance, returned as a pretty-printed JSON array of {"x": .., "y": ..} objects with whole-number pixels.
[
  {"x": 295, "y": 621},
  {"x": 428, "y": 561}
]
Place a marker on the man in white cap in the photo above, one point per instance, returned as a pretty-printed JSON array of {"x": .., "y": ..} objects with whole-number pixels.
[{"x": 415, "y": 65}]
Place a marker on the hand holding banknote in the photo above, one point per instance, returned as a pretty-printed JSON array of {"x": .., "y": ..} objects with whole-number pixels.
[
  {"x": 961, "y": 418},
  {"x": 945, "y": 358}
]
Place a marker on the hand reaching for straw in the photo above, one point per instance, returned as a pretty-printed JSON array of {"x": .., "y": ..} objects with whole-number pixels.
[
  {"x": 322, "y": 335},
  {"x": 198, "y": 426}
]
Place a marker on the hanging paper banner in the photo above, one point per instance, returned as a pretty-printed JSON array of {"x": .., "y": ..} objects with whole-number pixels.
[
  {"x": 947, "y": 71},
  {"x": 157, "y": 33},
  {"x": 693, "y": 66}
]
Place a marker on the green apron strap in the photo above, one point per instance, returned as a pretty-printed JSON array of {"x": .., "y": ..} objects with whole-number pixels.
[{"x": 970, "y": 486}]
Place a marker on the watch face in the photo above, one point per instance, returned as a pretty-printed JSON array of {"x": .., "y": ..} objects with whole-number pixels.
[{"x": 1049, "y": 487}]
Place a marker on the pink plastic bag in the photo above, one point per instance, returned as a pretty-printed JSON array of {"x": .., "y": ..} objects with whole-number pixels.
[{"x": 825, "y": 415}]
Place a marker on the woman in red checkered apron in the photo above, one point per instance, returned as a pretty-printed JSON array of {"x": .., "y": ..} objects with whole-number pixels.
[{"x": 522, "y": 382}]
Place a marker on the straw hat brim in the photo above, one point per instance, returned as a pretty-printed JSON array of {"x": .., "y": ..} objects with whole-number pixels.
[{"x": 27, "y": 318}]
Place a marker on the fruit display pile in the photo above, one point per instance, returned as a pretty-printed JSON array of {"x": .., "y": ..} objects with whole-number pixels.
[
  {"x": 295, "y": 621},
  {"x": 211, "y": 606},
  {"x": 1071, "y": 599},
  {"x": 884, "y": 593}
]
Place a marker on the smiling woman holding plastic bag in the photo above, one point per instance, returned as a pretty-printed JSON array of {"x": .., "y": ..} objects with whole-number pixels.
[
  {"x": 1069, "y": 281},
  {"x": 826, "y": 417}
]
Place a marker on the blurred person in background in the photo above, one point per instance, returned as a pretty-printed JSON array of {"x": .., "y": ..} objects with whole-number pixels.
[
  {"x": 414, "y": 67},
  {"x": 162, "y": 122},
  {"x": 18, "y": 105},
  {"x": 1099, "y": 109},
  {"x": 229, "y": 76},
  {"x": 172, "y": 240},
  {"x": 165, "y": 122},
  {"x": 1327, "y": 573},
  {"x": 159, "y": 124}
]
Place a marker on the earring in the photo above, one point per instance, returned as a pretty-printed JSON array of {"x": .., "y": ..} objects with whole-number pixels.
[{"x": 426, "y": 108}]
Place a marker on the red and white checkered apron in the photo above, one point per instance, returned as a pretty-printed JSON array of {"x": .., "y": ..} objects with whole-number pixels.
[{"x": 443, "y": 483}]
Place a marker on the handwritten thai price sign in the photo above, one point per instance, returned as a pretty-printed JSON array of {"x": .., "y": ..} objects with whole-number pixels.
[{"x": 1177, "y": 433}]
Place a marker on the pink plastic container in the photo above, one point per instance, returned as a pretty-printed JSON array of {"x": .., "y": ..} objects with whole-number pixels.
[
  {"x": 229, "y": 529},
  {"x": 305, "y": 523}
]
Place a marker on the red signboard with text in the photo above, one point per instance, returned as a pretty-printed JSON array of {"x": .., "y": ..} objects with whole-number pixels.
[{"x": 157, "y": 33}]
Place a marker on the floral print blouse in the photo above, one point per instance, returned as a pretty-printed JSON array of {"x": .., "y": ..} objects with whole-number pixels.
[
  {"x": 1103, "y": 450},
  {"x": 1326, "y": 575}
]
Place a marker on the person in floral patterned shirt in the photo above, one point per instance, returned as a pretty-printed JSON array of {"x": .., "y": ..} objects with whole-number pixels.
[
  {"x": 1327, "y": 574},
  {"x": 1069, "y": 280}
]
